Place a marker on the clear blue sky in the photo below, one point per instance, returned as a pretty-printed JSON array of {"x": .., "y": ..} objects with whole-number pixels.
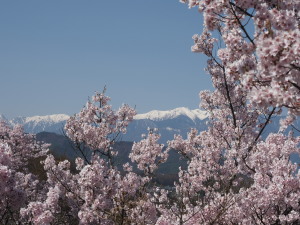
[{"x": 54, "y": 54}]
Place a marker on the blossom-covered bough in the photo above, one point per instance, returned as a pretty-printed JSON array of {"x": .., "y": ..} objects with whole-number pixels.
[
  {"x": 98, "y": 127},
  {"x": 237, "y": 173}
]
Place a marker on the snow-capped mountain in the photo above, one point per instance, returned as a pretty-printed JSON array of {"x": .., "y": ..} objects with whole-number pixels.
[
  {"x": 35, "y": 124},
  {"x": 157, "y": 115},
  {"x": 168, "y": 123}
]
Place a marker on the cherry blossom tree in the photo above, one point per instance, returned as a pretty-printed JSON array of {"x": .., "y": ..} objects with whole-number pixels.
[
  {"x": 98, "y": 192},
  {"x": 235, "y": 176}
]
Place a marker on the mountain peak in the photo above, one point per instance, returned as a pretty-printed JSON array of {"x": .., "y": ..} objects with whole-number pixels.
[
  {"x": 158, "y": 115},
  {"x": 56, "y": 118}
]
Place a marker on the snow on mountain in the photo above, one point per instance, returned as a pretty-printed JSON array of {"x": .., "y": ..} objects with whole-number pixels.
[
  {"x": 157, "y": 115},
  {"x": 56, "y": 118},
  {"x": 36, "y": 120},
  {"x": 35, "y": 124}
]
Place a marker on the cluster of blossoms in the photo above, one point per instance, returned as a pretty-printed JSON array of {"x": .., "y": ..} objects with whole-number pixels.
[
  {"x": 266, "y": 60},
  {"x": 148, "y": 153},
  {"x": 234, "y": 174},
  {"x": 97, "y": 125},
  {"x": 18, "y": 186}
]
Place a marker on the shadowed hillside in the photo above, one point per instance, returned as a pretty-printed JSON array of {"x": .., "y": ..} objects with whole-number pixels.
[{"x": 62, "y": 148}]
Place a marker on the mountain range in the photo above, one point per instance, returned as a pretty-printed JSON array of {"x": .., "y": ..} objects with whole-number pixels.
[
  {"x": 177, "y": 121},
  {"x": 168, "y": 123}
]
